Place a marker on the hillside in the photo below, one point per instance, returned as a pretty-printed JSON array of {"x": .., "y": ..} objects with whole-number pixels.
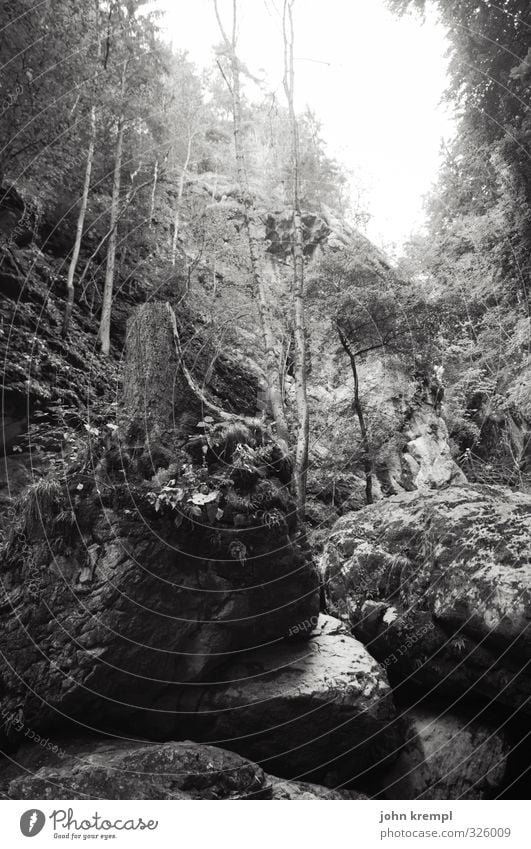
[{"x": 265, "y": 501}]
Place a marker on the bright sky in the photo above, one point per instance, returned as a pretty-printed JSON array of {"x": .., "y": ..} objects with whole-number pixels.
[{"x": 375, "y": 81}]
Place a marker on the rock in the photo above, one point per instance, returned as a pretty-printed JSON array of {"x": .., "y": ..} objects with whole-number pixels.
[
  {"x": 287, "y": 790},
  {"x": 425, "y": 461},
  {"x": 319, "y": 709},
  {"x": 448, "y": 757},
  {"x": 106, "y": 615},
  {"x": 150, "y": 559},
  {"x": 418, "y": 455},
  {"x": 127, "y": 770},
  {"x": 411, "y": 444},
  {"x": 279, "y": 232},
  {"x": 120, "y": 769},
  {"x": 437, "y": 585}
]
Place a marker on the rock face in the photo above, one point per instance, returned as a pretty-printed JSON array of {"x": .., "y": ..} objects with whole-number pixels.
[
  {"x": 448, "y": 757},
  {"x": 414, "y": 453},
  {"x": 424, "y": 461},
  {"x": 438, "y": 586},
  {"x": 279, "y": 232},
  {"x": 320, "y": 708},
  {"x": 112, "y": 628}
]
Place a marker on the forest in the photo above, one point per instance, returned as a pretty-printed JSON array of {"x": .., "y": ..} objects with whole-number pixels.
[{"x": 265, "y": 499}]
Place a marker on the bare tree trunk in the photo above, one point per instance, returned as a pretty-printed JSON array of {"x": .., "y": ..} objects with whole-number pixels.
[
  {"x": 177, "y": 218},
  {"x": 358, "y": 409},
  {"x": 106, "y": 308},
  {"x": 153, "y": 192},
  {"x": 80, "y": 224},
  {"x": 123, "y": 209},
  {"x": 300, "y": 471},
  {"x": 272, "y": 369}
]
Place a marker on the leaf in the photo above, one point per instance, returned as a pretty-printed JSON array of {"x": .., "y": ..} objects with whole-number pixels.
[
  {"x": 94, "y": 431},
  {"x": 205, "y": 422},
  {"x": 390, "y": 615},
  {"x": 200, "y": 498}
]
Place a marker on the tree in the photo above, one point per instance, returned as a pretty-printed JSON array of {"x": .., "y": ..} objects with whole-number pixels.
[
  {"x": 299, "y": 320},
  {"x": 271, "y": 362},
  {"x": 477, "y": 252},
  {"x": 372, "y": 310},
  {"x": 47, "y": 57},
  {"x": 86, "y": 187},
  {"x": 106, "y": 307},
  {"x": 133, "y": 39}
]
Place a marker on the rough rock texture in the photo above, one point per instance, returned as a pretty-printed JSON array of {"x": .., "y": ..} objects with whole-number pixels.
[
  {"x": 279, "y": 232},
  {"x": 303, "y": 790},
  {"x": 424, "y": 461},
  {"x": 438, "y": 587},
  {"x": 448, "y": 757},
  {"x": 156, "y": 396},
  {"x": 320, "y": 708},
  {"x": 120, "y": 769},
  {"x": 413, "y": 450},
  {"x": 112, "y": 629},
  {"x": 126, "y": 770}
]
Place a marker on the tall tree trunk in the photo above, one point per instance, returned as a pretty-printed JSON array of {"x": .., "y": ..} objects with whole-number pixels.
[
  {"x": 177, "y": 218},
  {"x": 153, "y": 193},
  {"x": 358, "y": 409},
  {"x": 86, "y": 188},
  {"x": 299, "y": 324},
  {"x": 106, "y": 308},
  {"x": 80, "y": 224},
  {"x": 272, "y": 369}
]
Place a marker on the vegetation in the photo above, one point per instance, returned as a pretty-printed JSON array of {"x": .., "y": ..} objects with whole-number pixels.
[
  {"x": 475, "y": 257},
  {"x": 141, "y": 179}
]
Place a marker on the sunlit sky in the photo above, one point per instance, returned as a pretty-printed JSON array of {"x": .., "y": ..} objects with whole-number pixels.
[{"x": 375, "y": 81}]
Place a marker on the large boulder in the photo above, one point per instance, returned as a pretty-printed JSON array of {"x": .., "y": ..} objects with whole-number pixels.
[
  {"x": 142, "y": 571},
  {"x": 448, "y": 757},
  {"x": 109, "y": 627},
  {"x": 120, "y": 769},
  {"x": 438, "y": 587},
  {"x": 320, "y": 709},
  {"x": 127, "y": 770}
]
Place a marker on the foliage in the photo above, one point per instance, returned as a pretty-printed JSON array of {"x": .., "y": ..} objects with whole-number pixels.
[{"x": 228, "y": 483}]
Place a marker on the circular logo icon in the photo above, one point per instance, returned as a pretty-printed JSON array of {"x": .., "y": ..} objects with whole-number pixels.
[{"x": 32, "y": 822}]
